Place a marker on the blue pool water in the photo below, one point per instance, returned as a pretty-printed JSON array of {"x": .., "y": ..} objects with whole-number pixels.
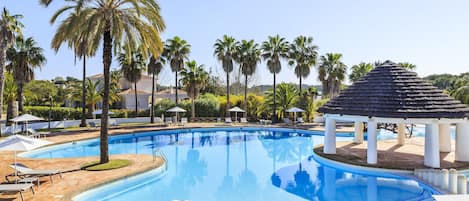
[{"x": 232, "y": 164}]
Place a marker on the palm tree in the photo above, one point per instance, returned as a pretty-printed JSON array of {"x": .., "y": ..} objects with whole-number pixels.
[
  {"x": 408, "y": 66},
  {"x": 176, "y": 51},
  {"x": 10, "y": 93},
  {"x": 286, "y": 97},
  {"x": 154, "y": 68},
  {"x": 360, "y": 70},
  {"x": 248, "y": 55},
  {"x": 194, "y": 77},
  {"x": 79, "y": 42},
  {"x": 303, "y": 55},
  {"x": 135, "y": 23},
  {"x": 225, "y": 50},
  {"x": 132, "y": 65},
  {"x": 93, "y": 95},
  {"x": 273, "y": 50},
  {"x": 10, "y": 27},
  {"x": 24, "y": 57},
  {"x": 331, "y": 73}
]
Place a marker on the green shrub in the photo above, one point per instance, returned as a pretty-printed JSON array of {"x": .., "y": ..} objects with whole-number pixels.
[{"x": 58, "y": 113}]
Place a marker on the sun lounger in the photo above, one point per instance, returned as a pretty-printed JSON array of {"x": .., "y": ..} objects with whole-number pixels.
[
  {"x": 286, "y": 120},
  {"x": 300, "y": 120},
  {"x": 92, "y": 124},
  {"x": 16, "y": 188},
  {"x": 36, "y": 134},
  {"x": 184, "y": 121},
  {"x": 228, "y": 120},
  {"x": 243, "y": 120},
  {"x": 168, "y": 120},
  {"x": 25, "y": 171}
]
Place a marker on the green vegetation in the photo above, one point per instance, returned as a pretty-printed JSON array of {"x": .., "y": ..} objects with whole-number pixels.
[
  {"x": 193, "y": 79},
  {"x": 176, "y": 50},
  {"x": 454, "y": 85},
  {"x": 112, "y": 164},
  {"x": 132, "y": 66}
]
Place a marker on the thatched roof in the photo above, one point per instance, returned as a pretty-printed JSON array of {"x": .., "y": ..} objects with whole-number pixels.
[{"x": 391, "y": 91}]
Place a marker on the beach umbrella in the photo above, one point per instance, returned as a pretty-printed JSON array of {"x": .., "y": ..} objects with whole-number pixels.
[
  {"x": 25, "y": 118},
  {"x": 236, "y": 110},
  {"x": 21, "y": 143},
  {"x": 176, "y": 110},
  {"x": 294, "y": 110}
]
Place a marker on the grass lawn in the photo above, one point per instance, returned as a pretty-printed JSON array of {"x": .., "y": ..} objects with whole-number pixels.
[{"x": 112, "y": 164}]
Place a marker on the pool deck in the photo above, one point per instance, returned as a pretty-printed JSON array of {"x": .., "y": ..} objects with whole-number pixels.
[
  {"x": 390, "y": 155},
  {"x": 75, "y": 180}
]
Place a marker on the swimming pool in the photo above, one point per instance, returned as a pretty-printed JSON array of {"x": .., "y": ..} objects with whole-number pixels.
[{"x": 237, "y": 164}]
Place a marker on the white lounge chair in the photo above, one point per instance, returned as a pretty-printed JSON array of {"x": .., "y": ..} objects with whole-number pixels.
[
  {"x": 243, "y": 120},
  {"x": 184, "y": 121},
  {"x": 228, "y": 120},
  {"x": 36, "y": 134},
  {"x": 300, "y": 120},
  {"x": 286, "y": 120},
  {"x": 25, "y": 171},
  {"x": 168, "y": 120},
  {"x": 16, "y": 188}
]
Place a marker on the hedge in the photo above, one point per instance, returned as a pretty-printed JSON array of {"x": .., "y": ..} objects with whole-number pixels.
[{"x": 58, "y": 113}]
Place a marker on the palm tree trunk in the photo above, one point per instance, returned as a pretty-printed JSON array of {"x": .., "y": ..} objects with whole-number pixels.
[
  {"x": 274, "y": 115},
  {"x": 301, "y": 79},
  {"x": 176, "y": 88},
  {"x": 3, "y": 52},
  {"x": 152, "y": 109},
  {"x": 10, "y": 109},
  {"x": 246, "y": 95},
  {"x": 193, "y": 107},
  {"x": 83, "y": 95},
  {"x": 20, "y": 97},
  {"x": 136, "y": 99},
  {"x": 227, "y": 113},
  {"x": 107, "y": 59}
]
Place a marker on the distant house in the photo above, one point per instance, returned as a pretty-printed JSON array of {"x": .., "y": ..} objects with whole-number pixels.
[
  {"x": 128, "y": 99},
  {"x": 171, "y": 95},
  {"x": 143, "y": 92}
]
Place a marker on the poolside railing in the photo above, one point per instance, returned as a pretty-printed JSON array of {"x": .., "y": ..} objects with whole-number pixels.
[{"x": 161, "y": 154}]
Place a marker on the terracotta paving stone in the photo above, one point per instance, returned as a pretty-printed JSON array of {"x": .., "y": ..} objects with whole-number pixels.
[{"x": 390, "y": 155}]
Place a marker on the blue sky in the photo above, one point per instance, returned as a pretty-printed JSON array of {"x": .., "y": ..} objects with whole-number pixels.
[{"x": 432, "y": 34}]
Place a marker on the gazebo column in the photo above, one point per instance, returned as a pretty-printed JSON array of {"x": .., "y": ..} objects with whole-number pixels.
[
  {"x": 400, "y": 134},
  {"x": 462, "y": 141},
  {"x": 445, "y": 137},
  {"x": 358, "y": 137},
  {"x": 432, "y": 153},
  {"x": 329, "y": 140},
  {"x": 372, "y": 151}
]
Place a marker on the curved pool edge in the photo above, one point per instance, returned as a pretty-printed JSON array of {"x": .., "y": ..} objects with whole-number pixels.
[
  {"x": 373, "y": 171},
  {"x": 84, "y": 194},
  {"x": 28, "y": 154}
]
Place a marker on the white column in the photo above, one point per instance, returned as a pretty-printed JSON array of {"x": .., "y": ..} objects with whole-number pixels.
[
  {"x": 432, "y": 153},
  {"x": 400, "y": 134},
  {"x": 372, "y": 151},
  {"x": 445, "y": 137},
  {"x": 329, "y": 140},
  {"x": 358, "y": 137},
  {"x": 462, "y": 141}
]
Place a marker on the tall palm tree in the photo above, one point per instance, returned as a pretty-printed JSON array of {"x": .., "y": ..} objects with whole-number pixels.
[
  {"x": 331, "y": 73},
  {"x": 10, "y": 27},
  {"x": 93, "y": 95},
  {"x": 248, "y": 55},
  {"x": 24, "y": 57},
  {"x": 132, "y": 66},
  {"x": 360, "y": 70},
  {"x": 176, "y": 51},
  {"x": 136, "y": 23},
  {"x": 273, "y": 51},
  {"x": 80, "y": 43},
  {"x": 303, "y": 55},
  {"x": 154, "y": 68},
  {"x": 10, "y": 93},
  {"x": 225, "y": 50},
  {"x": 287, "y": 95},
  {"x": 194, "y": 77}
]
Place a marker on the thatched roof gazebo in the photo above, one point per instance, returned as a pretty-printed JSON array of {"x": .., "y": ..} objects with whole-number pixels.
[{"x": 392, "y": 94}]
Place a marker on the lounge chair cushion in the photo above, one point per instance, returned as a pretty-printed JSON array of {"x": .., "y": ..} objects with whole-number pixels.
[{"x": 15, "y": 187}]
